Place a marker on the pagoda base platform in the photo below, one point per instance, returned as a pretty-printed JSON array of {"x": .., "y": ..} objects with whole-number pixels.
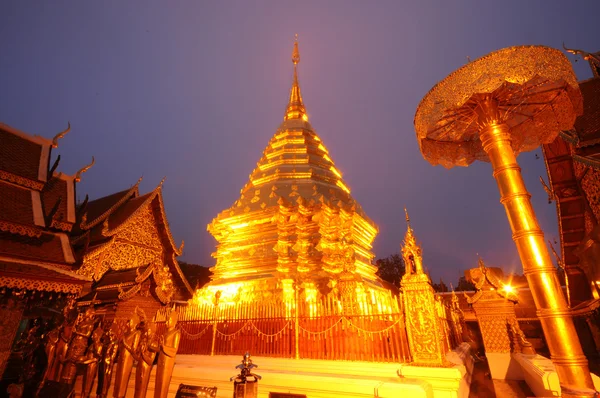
[
  {"x": 321, "y": 378},
  {"x": 313, "y": 378}
]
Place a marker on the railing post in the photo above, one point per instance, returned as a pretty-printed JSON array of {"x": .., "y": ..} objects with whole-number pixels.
[
  {"x": 297, "y": 322},
  {"x": 214, "y": 337}
]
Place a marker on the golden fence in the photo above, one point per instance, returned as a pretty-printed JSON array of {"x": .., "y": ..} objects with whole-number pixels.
[{"x": 324, "y": 329}]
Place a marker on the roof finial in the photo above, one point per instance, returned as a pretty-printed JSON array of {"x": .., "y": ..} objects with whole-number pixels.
[
  {"x": 60, "y": 135},
  {"x": 407, "y": 218},
  {"x": 83, "y": 170},
  {"x": 295, "y": 108}
]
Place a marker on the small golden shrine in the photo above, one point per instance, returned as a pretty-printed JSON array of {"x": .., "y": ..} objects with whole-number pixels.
[
  {"x": 295, "y": 223},
  {"x": 429, "y": 339}
]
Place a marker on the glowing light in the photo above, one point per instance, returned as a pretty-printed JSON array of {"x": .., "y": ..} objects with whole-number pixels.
[
  {"x": 335, "y": 171},
  {"x": 241, "y": 225},
  {"x": 508, "y": 289},
  {"x": 343, "y": 186}
]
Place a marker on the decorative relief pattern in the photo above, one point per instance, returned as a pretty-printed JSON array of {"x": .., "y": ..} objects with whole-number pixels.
[
  {"x": 494, "y": 331},
  {"x": 141, "y": 229},
  {"x": 136, "y": 243},
  {"x": 25, "y": 182},
  {"x": 18, "y": 229}
]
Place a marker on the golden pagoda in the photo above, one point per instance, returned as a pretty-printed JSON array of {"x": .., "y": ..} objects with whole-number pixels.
[{"x": 294, "y": 224}]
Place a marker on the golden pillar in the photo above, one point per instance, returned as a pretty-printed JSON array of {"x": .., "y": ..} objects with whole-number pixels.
[{"x": 491, "y": 109}]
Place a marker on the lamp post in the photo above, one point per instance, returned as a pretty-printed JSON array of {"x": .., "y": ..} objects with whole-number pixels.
[{"x": 491, "y": 109}]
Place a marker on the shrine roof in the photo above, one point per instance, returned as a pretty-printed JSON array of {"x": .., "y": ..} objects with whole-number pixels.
[
  {"x": 588, "y": 124},
  {"x": 48, "y": 247},
  {"x": 128, "y": 209},
  {"x": 114, "y": 278},
  {"x": 99, "y": 209}
]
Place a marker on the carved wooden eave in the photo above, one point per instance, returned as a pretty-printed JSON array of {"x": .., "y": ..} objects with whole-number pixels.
[
  {"x": 19, "y": 229},
  {"x": 129, "y": 286},
  {"x": 39, "y": 276}
]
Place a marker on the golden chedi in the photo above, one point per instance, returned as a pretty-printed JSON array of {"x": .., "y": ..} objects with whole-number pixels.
[{"x": 294, "y": 224}]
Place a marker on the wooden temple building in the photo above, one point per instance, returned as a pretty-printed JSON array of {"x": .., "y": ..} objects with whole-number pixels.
[
  {"x": 37, "y": 214},
  {"x": 573, "y": 165},
  {"x": 115, "y": 252}
]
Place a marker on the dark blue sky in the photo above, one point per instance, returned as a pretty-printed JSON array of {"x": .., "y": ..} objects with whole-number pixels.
[{"x": 193, "y": 90}]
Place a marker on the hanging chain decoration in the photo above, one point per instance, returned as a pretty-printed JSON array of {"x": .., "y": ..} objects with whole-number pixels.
[{"x": 194, "y": 336}]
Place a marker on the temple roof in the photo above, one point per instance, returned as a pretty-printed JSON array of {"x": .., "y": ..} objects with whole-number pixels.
[
  {"x": 23, "y": 156},
  {"x": 96, "y": 211},
  {"x": 17, "y": 207},
  {"x": 48, "y": 247}
]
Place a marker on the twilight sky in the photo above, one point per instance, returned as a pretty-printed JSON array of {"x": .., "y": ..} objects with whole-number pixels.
[{"x": 194, "y": 90}]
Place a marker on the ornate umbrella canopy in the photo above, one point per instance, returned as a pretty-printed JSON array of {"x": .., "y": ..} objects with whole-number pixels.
[{"x": 535, "y": 90}]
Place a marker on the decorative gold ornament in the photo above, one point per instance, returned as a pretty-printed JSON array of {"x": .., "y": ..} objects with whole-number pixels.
[{"x": 491, "y": 109}]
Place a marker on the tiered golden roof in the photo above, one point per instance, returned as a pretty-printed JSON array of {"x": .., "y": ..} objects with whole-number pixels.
[{"x": 295, "y": 217}]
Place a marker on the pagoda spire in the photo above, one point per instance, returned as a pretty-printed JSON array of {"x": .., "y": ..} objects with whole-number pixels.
[{"x": 295, "y": 108}]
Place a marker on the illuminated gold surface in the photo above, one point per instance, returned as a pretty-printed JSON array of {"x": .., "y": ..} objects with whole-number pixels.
[
  {"x": 537, "y": 95},
  {"x": 295, "y": 220},
  {"x": 422, "y": 313},
  {"x": 466, "y": 116}
]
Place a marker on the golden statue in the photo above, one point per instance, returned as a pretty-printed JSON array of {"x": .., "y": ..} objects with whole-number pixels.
[
  {"x": 508, "y": 102},
  {"x": 147, "y": 352},
  {"x": 127, "y": 349},
  {"x": 169, "y": 343},
  {"x": 110, "y": 350},
  {"x": 76, "y": 353},
  {"x": 94, "y": 355}
]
